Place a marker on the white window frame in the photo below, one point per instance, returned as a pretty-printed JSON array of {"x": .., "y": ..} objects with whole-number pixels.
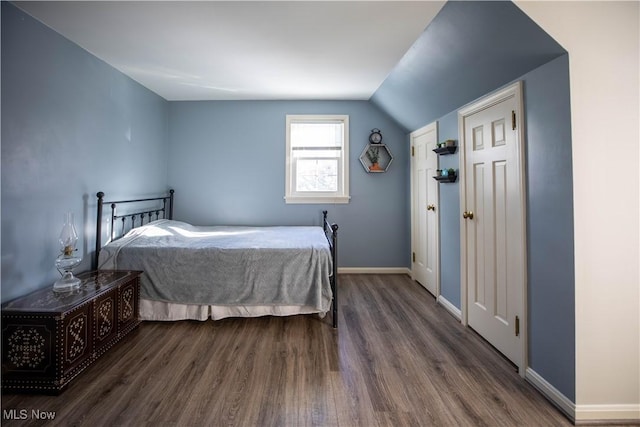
[{"x": 340, "y": 196}]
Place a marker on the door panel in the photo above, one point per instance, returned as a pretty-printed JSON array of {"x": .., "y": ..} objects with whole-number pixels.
[
  {"x": 500, "y": 240},
  {"x": 422, "y": 229},
  {"x": 479, "y": 262}
]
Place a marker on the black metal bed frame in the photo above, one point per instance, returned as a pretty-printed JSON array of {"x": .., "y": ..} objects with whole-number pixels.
[
  {"x": 168, "y": 214},
  {"x": 330, "y": 232}
]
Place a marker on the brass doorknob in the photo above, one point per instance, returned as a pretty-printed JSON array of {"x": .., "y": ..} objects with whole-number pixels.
[
  {"x": 467, "y": 215},
  {"x": 431, "y": 208}
]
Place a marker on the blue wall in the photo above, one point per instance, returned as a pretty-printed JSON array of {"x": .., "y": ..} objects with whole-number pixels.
[
  {"x": 71, "y": 126},
  {"x": 449, "y": 216},
  {"x": 550, "y": 240},
  {"x": 550, "y": 263},
  {"x": 228, "y": 167}
]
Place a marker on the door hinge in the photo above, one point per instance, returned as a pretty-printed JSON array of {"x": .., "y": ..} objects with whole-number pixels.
[
  {"x": 513, "y": 120},
  {"x": 413, "y": 256},
  {"x": 412, "y": 151},
  {"x": 517, "y": 326}
]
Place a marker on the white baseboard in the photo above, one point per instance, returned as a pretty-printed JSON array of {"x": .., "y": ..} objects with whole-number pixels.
[
  {"x": 584, "y": 414},
  {"x": 561, "y": 401},
  {"x": 373, "y": 270},
  {"x": 455, "y": 311},
  {"x": 608, "y": 413}
]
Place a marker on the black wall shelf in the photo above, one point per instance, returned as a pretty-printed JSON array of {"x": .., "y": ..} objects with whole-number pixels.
[
  {"x": 445, "y": 150},
  {"x": 447, "y": 178}
]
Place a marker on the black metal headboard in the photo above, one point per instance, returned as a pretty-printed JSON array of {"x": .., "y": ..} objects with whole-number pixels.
[{"x": 149, "y": 213}]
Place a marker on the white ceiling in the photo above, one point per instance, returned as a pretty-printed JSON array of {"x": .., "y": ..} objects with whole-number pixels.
[{"x": 215, "y": 50}]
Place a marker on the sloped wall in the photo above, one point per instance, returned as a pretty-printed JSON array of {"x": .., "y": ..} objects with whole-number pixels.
[{"x": 469, "y": 49}]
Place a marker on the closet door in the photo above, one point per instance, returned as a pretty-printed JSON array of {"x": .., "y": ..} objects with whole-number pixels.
[{"x": 424, "y": 208}]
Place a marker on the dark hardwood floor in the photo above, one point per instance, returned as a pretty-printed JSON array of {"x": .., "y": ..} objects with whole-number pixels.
[{"x": 397, "y": 359}]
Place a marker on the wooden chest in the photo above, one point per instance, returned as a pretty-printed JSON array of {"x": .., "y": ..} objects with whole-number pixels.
[{"x": 49, "y": 338}]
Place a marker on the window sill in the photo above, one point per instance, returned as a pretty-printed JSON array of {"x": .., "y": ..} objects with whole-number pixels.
[{"x": 316, "y": 200}]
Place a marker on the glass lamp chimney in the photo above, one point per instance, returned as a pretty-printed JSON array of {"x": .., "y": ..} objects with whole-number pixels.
[
  {"x": 68, "y": 236},
  {"x": 67, "y": 259}
]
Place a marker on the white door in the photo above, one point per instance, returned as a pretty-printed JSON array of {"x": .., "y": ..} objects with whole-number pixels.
[
  {"x": 493, "y": 222},
  {"x": 424, "y": 209}
]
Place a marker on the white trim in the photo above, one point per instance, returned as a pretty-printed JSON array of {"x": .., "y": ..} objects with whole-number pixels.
[
  {"x": 578, "y": 413},
  {"x": 512, "y": 91},
  {"x": 428, "y": 128},
  {"x": 374, "y": 270},
  {"x": 455, "y": 311},
  {"x": 309, "y": 200},
  {"x": 462, "y": 161},
  {"x": 339, "y": 197},
  {"x": 562, "y": 402},
  {"x": 608, "y": 413}
]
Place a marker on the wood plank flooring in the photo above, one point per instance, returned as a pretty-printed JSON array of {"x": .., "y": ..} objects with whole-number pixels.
[{"x": 397, "y": 359}]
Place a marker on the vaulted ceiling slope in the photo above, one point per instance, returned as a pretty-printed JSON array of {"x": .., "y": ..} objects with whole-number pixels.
[
  {"x": 244, "y": 50},
  {"x": 469, "y": 49}
]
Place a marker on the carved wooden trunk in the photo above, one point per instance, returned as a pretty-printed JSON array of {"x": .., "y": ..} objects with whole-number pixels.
[{"x": 49, "y": 338}]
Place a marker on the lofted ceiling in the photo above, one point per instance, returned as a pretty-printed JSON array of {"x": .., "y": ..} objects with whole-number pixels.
[
  {"x": 470, "y": 49},
  {"x": 237, "y": 50}
]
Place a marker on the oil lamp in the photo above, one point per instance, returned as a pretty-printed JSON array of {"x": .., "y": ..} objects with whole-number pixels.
[{"x": 67, "y": 260}]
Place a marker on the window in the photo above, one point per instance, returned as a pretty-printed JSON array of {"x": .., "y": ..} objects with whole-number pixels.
[{"x": 317, "y": 159}]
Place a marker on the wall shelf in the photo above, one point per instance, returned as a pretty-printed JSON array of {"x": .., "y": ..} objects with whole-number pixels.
[
  {"x": 384, "y": 158},
  {"x": 445, "y": 150},
  {"x": 447, "y": 178},
  {"x": 449, "y": 147}
]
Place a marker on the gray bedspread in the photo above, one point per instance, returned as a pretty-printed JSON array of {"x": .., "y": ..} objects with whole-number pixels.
[{"x": 226, "y": 265}]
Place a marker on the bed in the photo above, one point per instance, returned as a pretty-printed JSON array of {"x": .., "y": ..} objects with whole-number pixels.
[{"x": 201, "y": 272}]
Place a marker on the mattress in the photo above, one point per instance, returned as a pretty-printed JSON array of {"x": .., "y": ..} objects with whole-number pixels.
[{"x": 196, "y": 272}]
